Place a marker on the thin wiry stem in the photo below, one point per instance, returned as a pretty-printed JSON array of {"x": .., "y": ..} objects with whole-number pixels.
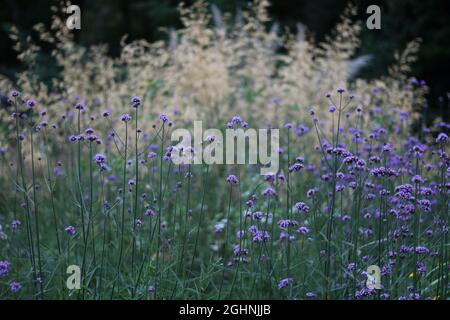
[{"x": 122, "y": 227}]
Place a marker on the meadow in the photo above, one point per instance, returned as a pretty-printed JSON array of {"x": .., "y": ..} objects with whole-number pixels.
[{"x": 87, "y": 178}]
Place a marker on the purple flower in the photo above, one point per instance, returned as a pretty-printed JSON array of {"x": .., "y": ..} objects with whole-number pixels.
[
  {"x": 219, "y": 227},
  {"x": 125, "y": 117},
  {"x": 149, "y": 212},
  {"x": 311, "y": 192},
  {"x": 332, "y": 108},
  {"x": 4, "y": 267},
  {"x": 232, "y": 179},
  {"x": 31, "y": 103},
  {"x": 138, "y": 223},
  {"x": 15, "y": 224},
  {"x": 257, "y": 215},
  {"x": 269, "y": 192},
  {"x": 425, "y": 205},
  {"x": 383, "y": 172},
  {"x": 285, "y": 282},
  {"x": 311, "y": 294},
  {"x": 236, "y": 120},
  {"x": 418, "y": 150},
  {"x": 151, "y": 288},
  {"x": 79, "y": 106},
  {"x": 164, "y": 118},
  {"x": 302, "y": 207},
  {"x": 151, "y": 155},
  {"x": 15, "y": 93},
  {"x": 301, "y": 130},
  {"x": 285, "y": 223},
  {"x": 135, "y": 101},
  {"x": 100, "y": 158},
  {"x": 442, "y": 138},
  {"x": 422, "y": 250},
  {"x": 15, "y": 287},
  {"x": 296, "y": 167},
  {"x": 303, "y": 230},
  {"x": 70, "y": 230},
  {"x": 260, "y": 236},
  {"x": 417, "y": 179},
  {"x": 421, "y": 268},
  {"x": 269, "y": 177}
]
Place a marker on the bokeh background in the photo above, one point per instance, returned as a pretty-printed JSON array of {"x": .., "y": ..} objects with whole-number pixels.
[{"x": 106, "y": 21}]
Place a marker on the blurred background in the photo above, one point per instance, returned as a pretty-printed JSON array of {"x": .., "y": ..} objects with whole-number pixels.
[{"x": 106, "y": 21}]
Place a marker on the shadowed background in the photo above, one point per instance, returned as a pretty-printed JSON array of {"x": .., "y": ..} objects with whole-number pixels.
[{"x": 105, "y": 21}]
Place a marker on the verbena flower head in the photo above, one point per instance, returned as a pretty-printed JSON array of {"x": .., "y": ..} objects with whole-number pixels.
[
  {"x": 100, "y": 158},
  {"x": 149, "y": 212},
  {"x": 269, "y": 192},
  {"x": 4, "y": 268},
  {"x": 15, "y": 93},
  {"x": 15, "y": 287},
  {"x": 302, "y": 207},
  {"x": 296, "y": 167},
  {"x": 442, "y": 138},
  {"x": 79, "y": 106},
  {"x": 284, "y": 223},
  {"x": 303, "y": 230},
  {"x": 232, "y": 179},
  {"x": 311, "y": 294},
  {"x": 417, "y": 179},
  {"x": 236, "y": 120},
  {"x": 312, "y": 192},
  {"x": 31, "y": 103},
  {"x": 70, "y": 230},
  {"x": 138, "y": 223},
  {"x": 164, "y": 118},
  {"x": 125, "y": 117},
  {"x": 151, "y": 155},
  {"x": 285, "y": 282},
  {"x": 15, "y": 224},
  {"x": 135, "y": 101}
]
